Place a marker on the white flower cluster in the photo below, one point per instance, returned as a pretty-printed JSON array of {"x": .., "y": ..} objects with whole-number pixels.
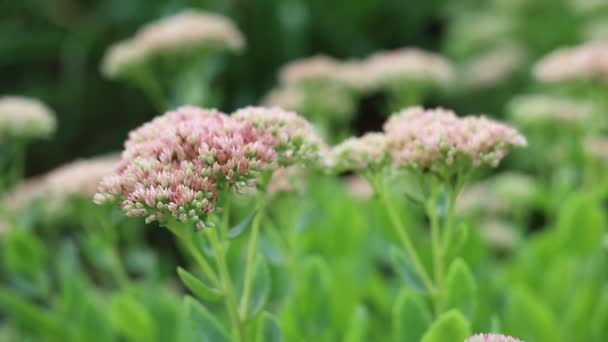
[{"x": 25, "y": 118}]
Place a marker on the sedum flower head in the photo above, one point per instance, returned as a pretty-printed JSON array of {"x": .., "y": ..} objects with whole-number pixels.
[
  {"x": 310, "y": 69},
  {"x": 173, "y": 167},
  {"x": 182, "y": 32},
  {"x": 596, "y": 147},
  {"x": 408, "y": 64},
  {"x": 366, "y": 153},
  {"x": 540, "y": 110},
  {"x": 492, "y": 338},
  {"x": 583, "y": 62},
  {"x": 494, "y": 66},
  {"x": 436, "y": 139},
  {"x": 79, "y": 178},
  {"x": 288, "y": 97},
  {"x": 25, "y": 118},
  {"x": 292, "y": 137}
]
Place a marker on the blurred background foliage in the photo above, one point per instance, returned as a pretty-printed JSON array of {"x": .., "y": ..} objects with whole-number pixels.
[{"x": 52, "y": 49}]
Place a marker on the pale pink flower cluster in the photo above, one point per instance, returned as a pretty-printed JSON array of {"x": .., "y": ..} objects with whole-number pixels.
[
  {"x": 583, "y": 62},
  {"x": 494, "y": 66},
  {"x": 366, "y": 153},
  {"x": 174, "y": 167},
  {"x": 491, "y": 338},
  {"x": 23, "y": 117},
  {"x": 288, "y": 134},
  {"x": 79, "y": 178},
  {"x": 76, "y": 179},
  {"x": 532, "y": 110},
  {"x": 185, "y": 31},
  {"x": 597, "y": 147},
  {"x": 320, "y": 68},
  {"x": 290, "y": 179},
  {"x": 408, "y": 64},
  {"x": 315, "y": 68},
  {"x": 437, "y": 138},
  {"x": 290, "y": 98}
]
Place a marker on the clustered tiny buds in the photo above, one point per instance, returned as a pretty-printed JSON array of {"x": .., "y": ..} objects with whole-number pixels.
[
  {"x": 25, "y": 118},
  {"x": 588, "y": 61},
  {"x": 408, "y": 64},
  {"x": 492, "y": 338},
  {"x": 174, "y": 167},
  {"x": 536, "y": 110},
  {"x": 292, "y": 137},
  {"x": 183, "y": 32},
  {"x": 438, "y": 139},
  {"x": 366, "y": 153}
]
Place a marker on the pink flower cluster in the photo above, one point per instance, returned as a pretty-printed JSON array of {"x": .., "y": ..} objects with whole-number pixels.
[
  {"x": 583, "y": 62},
  {"x": 437, "y": 138},
  {"x": 491, "y": 338},
  {"x": 366, "y": 153},
  {"x": 173, "y": 167}
]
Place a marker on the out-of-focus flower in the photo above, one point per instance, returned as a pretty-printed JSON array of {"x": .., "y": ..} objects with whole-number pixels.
[
  {"x": 587, "y": 7},
  {"x": 583, "y": 62},
  {"x": 314, "y": 70},
  {"x": 596, "y": 30},
  {"x": 287, "y": 180},
  {"x": 25, "y": 118},
  {"x": 289, "y": 98},
  {"x": 596, "y": 147},
  {"x": 79, "y": 178},
  {"x": 492, "y": 338},
  {"x": 359, "y": 187},
  {"x": 494, "y": 66},
  {"x": 292, "y": 137},
  {"x": 368, "y": 153},
  {"x": 76, "y": 179},
  {"x": 408, "y": 65},
  {"x": 479, "y": 31},
  {"x": 541, "y": 110},
  {"x": 310, "y": 69},
  {"x": 23, "y": 195},
  {"x": 181, "y": 33},
  {"x": 435, "y": 139},
  {"x": 499, "y": 194},
  {"x": 499, "y": 234}
]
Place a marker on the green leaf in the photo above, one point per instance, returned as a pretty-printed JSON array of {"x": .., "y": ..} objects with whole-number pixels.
[
  {"x": 202, "y": 325},
  {"x": 130, "y": 318},
  {"x": 197, "y": 287},
  {"x": 260, "y": 287},
  {"x": 358, "y": 326},
  {"x": 599, "y": 322},
  {"x": 450, "y": 326},
  {"x": 237, "y": 230},
  {"x": 459, "y": 240},
  {"x": 581, "y": 223},
  {"x": 35, "y": 319},
  {"x": 268, "y": 329},
  {"x": 461, "y": 289},
  {"x": 405, "y": 268},
  {"x": 411, "y": 317},
  {"x": 529, "y": 318}
]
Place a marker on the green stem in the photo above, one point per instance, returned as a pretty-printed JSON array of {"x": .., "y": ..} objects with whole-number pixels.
[
  {"x": 18, "y": 163},
  {"x": 403, "y": 236},
  {"x": 437, "y": 252},
  {"x": 250, "y": 263},
  {"x": 196, "y": 254},
  {"x": 230, "y": 300},
  {"x": 150, "y": 86}
]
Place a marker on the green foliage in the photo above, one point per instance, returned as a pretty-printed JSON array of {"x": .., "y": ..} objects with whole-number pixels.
[
  {"x": 461, "y": 289},
  {"x": 411, "y": 317},
  {"x": 197, "y": 287},
  {"x": 450, "y": 326}
]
